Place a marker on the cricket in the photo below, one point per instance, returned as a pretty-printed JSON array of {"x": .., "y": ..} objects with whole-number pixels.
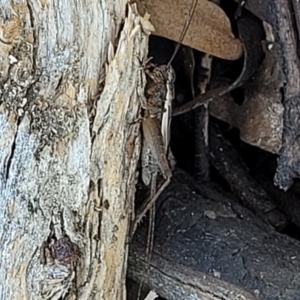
[{"x": 156, "y": 156}]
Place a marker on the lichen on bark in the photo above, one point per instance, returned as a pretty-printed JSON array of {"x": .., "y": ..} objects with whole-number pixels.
[{"x": 51, "y": 187}]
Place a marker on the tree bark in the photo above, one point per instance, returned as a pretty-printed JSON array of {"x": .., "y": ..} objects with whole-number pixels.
[{"x": 68, "y": 156}]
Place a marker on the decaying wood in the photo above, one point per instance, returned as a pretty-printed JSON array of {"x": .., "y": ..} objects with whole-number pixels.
[
  {"x": 174, "y": 281},
  {"x": 280, "y": 15},
  {"x": 286, "y": 201},
  {"x": 60, "y": 177},
  {"x": 231, "y": 167},
  {"x": 211, "y": 27},
  {"x": 286, "y": 36},
  {"x": 259, "y": 117},
  {"x": 259, "y": 8},
  {"x": 116, "y": 161},
  {"x": 201, "y": 229}
]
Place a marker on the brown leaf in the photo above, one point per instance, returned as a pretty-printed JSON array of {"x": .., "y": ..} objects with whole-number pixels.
[{"x": 209, "y": 31}]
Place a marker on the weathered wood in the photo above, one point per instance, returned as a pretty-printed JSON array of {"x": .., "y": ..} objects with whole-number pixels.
[
  {"x": 259, "y": 112},
  {"x": 175, "y": 281},
  {"x": 231, "y": 167},
  {"x": 287, "y": 37},
  {"x": 281, "y": 16},
  {"x": 201, "y": 122},
  {"x": 69, "y": 159},
  {"x": 287, "y": 202},
  {"x": 199, "y": 228},
  {"x": 260, "y": 116}
]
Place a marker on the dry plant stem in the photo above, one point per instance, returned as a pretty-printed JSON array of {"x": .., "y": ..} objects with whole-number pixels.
[
  {"x": 185, "y": 29},
  {"x": 150, "y": 236},
  {"x": 147, "y": 205},
  {"x": 201, "y": 121},
  {"x": 201, "y": 158},
  {"x": 202, "y": 99}
]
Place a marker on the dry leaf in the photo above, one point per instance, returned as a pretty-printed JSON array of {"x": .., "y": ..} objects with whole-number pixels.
[{"x": 209, "y": 31}]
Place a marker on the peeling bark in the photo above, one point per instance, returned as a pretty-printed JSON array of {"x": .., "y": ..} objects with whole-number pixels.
[{"x": 68, "y": 158}]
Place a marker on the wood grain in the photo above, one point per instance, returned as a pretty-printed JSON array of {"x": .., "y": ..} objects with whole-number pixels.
[{"x": 68, "y": 158}]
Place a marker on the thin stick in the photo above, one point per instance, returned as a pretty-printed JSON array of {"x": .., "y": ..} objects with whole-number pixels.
[
  {"x": 202, "y": 99},
  {"x": 150, "y": 236},
  {"x": 142, "y": 210},
  {"x": 185, "y": 29}
]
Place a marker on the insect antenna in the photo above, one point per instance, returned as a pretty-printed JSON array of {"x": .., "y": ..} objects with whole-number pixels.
[{"x": 185, "y": 29}]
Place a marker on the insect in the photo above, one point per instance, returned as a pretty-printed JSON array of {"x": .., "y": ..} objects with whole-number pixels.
[{"x": 156, "y": 156}]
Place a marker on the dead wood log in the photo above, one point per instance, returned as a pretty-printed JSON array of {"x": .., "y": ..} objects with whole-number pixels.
[
  {"x": 287, "y": 202},
  {"x": 286, "y": 36},
  {"x": 68, "y": 158},
  {"x": 214, "y": 236},
  {"x": 234, "y": 171},
  {"x": 175, "y": 281},
  {"x": 283, "y": 17}
]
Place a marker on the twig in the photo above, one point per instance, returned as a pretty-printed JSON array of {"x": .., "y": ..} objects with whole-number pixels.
[
  {"x": 202, "y": 99},
  {"x": 146, "y": 206}
]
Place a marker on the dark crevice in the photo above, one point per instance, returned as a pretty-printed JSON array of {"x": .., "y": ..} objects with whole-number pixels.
[
  {"x": 10, "y": 158},
  {"x": 183, "y": 131},
  {"x": 34, "y": 42},
  {"x": 238, "y": 95}
]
